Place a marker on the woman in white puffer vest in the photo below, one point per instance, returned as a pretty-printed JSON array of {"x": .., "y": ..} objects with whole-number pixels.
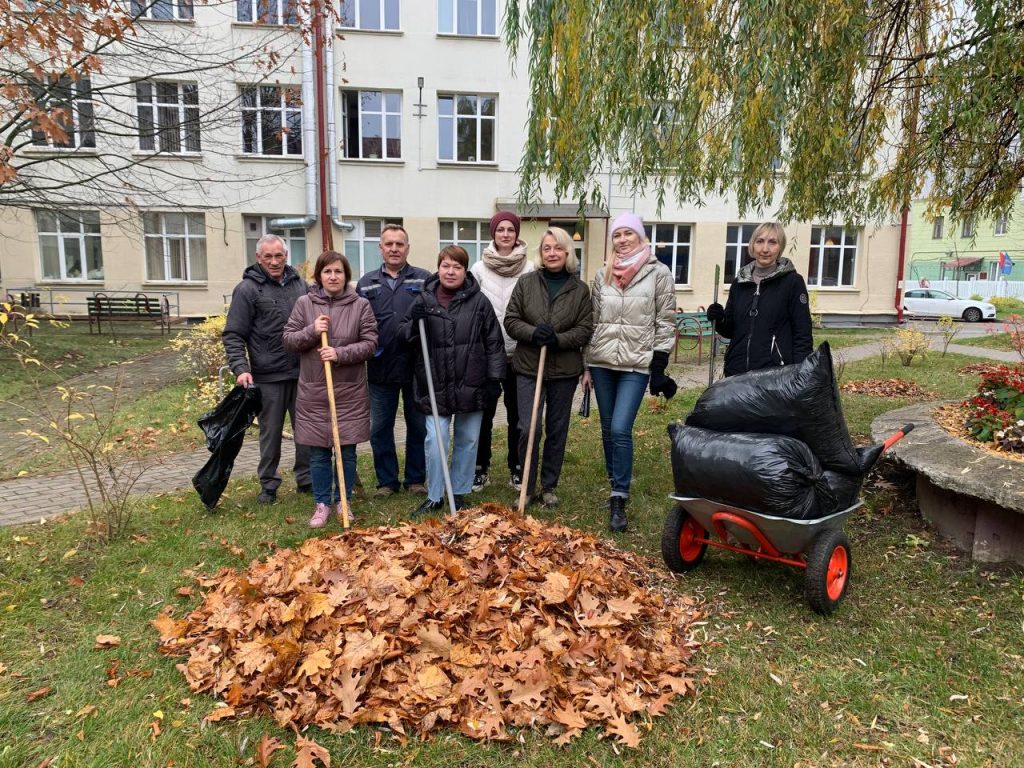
[{"x": 503, "y": 262}]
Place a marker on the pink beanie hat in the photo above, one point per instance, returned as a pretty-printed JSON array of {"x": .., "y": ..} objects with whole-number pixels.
[
  {"x": 629, "y": 221},
  {"x": 508, "y": 216}
]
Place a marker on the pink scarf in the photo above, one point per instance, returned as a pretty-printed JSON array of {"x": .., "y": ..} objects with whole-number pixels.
[{"x": 624, "y": 268}]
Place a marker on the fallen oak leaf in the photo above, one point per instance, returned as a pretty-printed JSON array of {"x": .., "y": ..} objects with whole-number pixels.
[
  {"x": 107, "y": 641},
  {"x": 266, "y": 748},
  {"x": 38, "y": 694},
  {"x": 220, "y": 713},
  {"x": 433, "y": 683},
  {"x": 85, "y": 711},
  {"x": 309, "y": 754},
  {"x": 624, "y": 730}
]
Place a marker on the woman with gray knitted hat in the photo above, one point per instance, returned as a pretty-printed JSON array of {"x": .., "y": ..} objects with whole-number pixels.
[
  {"x": 501, "y": 265},
  {"x": 634, "y": 330}
]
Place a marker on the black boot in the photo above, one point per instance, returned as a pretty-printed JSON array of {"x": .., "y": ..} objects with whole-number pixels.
[
  {"x": 428, "y": 509},
  {"x": 617, "y": 519}
]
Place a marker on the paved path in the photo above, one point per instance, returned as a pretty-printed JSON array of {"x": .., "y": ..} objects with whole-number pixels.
[{"x": 36, "y": 498}]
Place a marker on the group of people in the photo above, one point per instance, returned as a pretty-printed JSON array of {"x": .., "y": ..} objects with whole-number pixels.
[{"x": 450, "y": 344}]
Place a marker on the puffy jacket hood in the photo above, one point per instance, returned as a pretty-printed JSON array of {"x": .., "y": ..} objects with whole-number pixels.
[
  {"x": 255, "y": 272},
  {"x": 320, "y": 297},
  {"x": 746, "y": 273}
]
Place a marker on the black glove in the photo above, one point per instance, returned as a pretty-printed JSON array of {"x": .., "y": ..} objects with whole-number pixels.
[
  {"x": 492, "y": 390},
  {"x": 663, "y": 385},
  {"x": 418, "y": 311},
  {"x": 544, "y": 336},
  {"x": 716, "y": 312},
  {"x": 659, "y": 362}
]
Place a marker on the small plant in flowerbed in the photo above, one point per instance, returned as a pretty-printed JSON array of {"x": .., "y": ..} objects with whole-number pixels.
[{"x": 996, "y": 413}]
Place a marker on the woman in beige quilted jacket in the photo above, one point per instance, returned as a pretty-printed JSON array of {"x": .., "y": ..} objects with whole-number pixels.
[{"x": 634, "y": 327}]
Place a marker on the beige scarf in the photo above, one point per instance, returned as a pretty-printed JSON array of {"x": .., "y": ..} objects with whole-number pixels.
[
  {"x": 506, "y": 266},
  {"x": 624, "y": 268}
]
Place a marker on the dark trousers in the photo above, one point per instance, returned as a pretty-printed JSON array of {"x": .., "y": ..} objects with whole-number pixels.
[
  {"x": 555, "y": 408},
  {"x": 383, "y": 409},
  {"x": 278, "y": 398},
  {"x": 483, "y": 449}
]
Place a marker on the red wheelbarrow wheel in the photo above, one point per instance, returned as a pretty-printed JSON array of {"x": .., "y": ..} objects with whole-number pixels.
[
  {"x": 680, "y": 547},
  {"x": 829, "y": 565}
]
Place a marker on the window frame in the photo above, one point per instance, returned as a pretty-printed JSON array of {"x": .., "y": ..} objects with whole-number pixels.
[
  {"x": 189, "y": 240},
  {"x": 1000, "y": 226},
  {"x": 288, "y": 235},
  {"x": 358, "y": 238},
  {"x": 79, "y": 121},
  {"x": 281, "y": 110},
  {"x": 675, "y": 245},
  {"x": 736, "y": 249},
  {"x": 938, "y": 227},
  {"x": 357, "y": 16},
  {"x": 188, "y": 129},
  {"x": 181, "y": 10},
  {"x": 968, "y": 228},
  {"x": 61, "y": 236},
  {"x": 478, "y": 118},
  {"x": 474, "y": 247},
  {"x": 820, "y": 235},
  {"x": 383, "y": 114},
  {"x": 452, "y": 16},
  {"x": 285, "y": 13}
]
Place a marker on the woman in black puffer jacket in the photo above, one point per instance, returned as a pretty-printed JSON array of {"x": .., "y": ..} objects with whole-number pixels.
[{"x": 767, "y": 317}]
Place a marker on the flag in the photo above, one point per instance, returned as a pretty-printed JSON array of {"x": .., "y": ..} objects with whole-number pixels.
[{"x": 1005, "y": 263}]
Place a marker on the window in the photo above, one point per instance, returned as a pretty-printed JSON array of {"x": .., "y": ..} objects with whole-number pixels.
[
  {"x": 258, "y": 226},
  {"x": 372, "y": 124},
  {"x": 736, "y": 254},
  {"x": 271, "y": 120},
  {"x": 967, "y": 228},
  {"x": 467, "y": 17},
  {"x": 369, "y": 14},
  {"x": 69, "y": 243},
  {"x": 362, "y": 244},
  {"x": 175, "y": 246},
  {"x": 1000, "y": 226},
  {"x": 164, "y": 10},
  {"x": 833, "y": 256},
  {"x": 474, "y": 236},
  {"x": 671, "y": 246},
  {"x": 76, "y": 118},
  {"x": 168, "y": 116},
  {"x": 465, "y": 128},
  {"x": 268, "y": 11},
  {"x": 937, "y": 227}
]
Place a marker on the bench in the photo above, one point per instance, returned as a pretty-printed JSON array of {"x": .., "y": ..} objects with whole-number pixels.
[
  {"x": 102, "y": 307},
  {"x": 691, "y": 330}
]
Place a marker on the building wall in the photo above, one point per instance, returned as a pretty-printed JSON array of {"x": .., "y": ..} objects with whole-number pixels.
[{"x": 418, "y": 188}]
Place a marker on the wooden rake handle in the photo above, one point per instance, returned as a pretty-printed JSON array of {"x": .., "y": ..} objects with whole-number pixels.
[{"x": 337, "y": 438}]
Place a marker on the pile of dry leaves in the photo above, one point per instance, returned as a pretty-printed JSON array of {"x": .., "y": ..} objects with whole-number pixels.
[
  {"x": 885, "y": 388},
  {"x": 479, "y": 623}
]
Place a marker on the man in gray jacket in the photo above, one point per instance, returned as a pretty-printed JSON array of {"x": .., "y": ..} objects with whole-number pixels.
[{"x": 260, "y": 306}]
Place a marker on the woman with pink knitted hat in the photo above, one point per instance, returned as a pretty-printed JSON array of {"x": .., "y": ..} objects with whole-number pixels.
[
  {"x": 634, "y": 329},
  {"x": 501, "y": 265}
]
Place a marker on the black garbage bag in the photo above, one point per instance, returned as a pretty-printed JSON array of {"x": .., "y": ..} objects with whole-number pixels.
[
  {"x": 224, "y": 428},
  {"x": 799, "y": 400},
  {"x": 845, "y": 488},
  {"x": 771, "y": 474}
]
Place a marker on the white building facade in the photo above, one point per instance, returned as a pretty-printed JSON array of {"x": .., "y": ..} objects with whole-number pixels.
[{"x": 428, "y": 129}]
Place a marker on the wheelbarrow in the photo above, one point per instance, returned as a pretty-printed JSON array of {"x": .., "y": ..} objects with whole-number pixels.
[{"x": 819, "y": 547}]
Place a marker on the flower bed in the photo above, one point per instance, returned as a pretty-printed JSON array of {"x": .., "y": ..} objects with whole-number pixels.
[{"x": 996, "y": 414}]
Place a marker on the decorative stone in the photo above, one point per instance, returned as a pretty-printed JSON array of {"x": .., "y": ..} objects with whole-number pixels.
[{"x": 972, "y": 496}]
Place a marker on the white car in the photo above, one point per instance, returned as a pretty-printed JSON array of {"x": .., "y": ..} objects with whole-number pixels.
[{"x": 928, "y": 302}]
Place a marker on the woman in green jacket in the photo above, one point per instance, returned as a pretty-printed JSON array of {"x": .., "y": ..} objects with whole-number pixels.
[{"x": 548, "y": 308}]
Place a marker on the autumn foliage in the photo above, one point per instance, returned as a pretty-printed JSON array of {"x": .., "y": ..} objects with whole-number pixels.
[{"x": 480, "y": 623}]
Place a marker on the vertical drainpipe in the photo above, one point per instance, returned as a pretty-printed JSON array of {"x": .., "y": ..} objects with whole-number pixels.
[
  {"x": 901, "y": 265},
  {"x": 321, "y": 126}
]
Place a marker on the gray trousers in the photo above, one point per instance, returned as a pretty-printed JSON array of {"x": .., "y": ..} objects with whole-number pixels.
[
  {"x": 555, "y": 408},
  {"x": 278, "y": 398}
]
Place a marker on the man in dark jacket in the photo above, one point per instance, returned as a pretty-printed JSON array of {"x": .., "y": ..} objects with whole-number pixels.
[
  {"x": 391, "y": 291},
  {"x": 467, "y": 364},
  {"x": 260, "y": 306}
]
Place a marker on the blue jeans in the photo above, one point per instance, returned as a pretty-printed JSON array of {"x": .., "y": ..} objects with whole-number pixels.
[
  {"x": 383, "y": 409},
  {"x": 467, "y": 435},
  {"x": 619, "y": 395},
  {"x": 324, "y": 473}
]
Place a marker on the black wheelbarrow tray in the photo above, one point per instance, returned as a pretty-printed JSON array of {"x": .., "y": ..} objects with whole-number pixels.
[{"x": 819, "y": 546}]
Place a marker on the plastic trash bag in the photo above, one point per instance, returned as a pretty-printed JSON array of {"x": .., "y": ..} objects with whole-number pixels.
[
  {"x": 225, "y": 428},
  {"x": 770, "y": 474},
  {"x": 799, "y": 400}
]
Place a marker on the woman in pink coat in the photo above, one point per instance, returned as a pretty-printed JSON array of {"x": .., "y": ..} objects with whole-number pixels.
[{"x": 332, "y": 305}]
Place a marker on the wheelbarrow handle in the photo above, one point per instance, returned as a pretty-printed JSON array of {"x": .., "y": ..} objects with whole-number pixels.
[{"x": 893, "y": 439}]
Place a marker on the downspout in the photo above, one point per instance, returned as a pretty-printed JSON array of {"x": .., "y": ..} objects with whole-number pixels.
[
  {"x": 901, "y": 265},
  {"x": 332, "y": 140},
  {"x": 327, "y": 235},
  {"x": 308, "y": 144}
]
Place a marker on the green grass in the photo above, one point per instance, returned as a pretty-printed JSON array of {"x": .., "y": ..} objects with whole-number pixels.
[
  {"x": 848, "y": 337},
  {"x": 1000, "y": 341},
  {"x": 921, "y": 663},
  {"x": 73, "y": 351}
]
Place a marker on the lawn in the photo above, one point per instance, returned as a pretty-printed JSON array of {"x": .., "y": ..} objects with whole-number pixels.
[
  {"x": 920, "y": 666},
  {"x": 992, "y": 340}
]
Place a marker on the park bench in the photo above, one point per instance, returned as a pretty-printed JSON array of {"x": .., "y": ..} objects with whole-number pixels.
[
  {"x": 691, "y": 330},
  {"x": 102, "y": 307}
]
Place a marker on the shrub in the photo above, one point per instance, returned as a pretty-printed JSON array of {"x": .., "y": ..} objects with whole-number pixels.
[
  {"x": 203, "y": 356},
  {"x": 1004, "y": 304},
  {"x": 1014, "y": 327},
  {"x": 949, "y": 330},
  {"x": 996, "y": 413},
  {"x": 976, "y": 297},
  {"x": 814, "y": 310},
  {"x": 907, "y": 344}
]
